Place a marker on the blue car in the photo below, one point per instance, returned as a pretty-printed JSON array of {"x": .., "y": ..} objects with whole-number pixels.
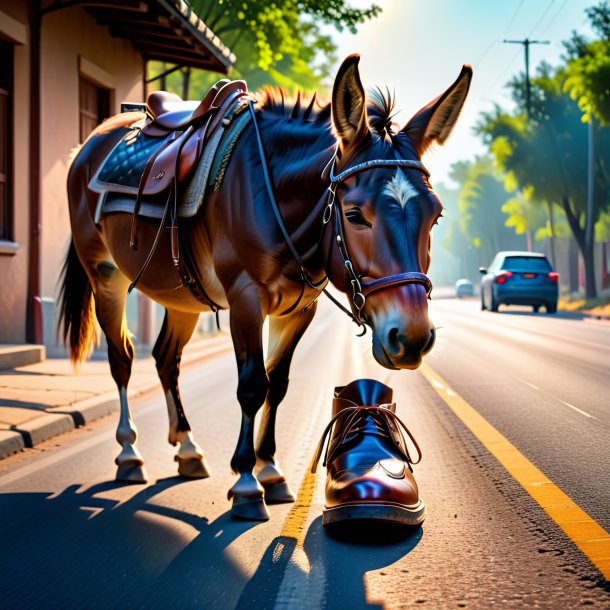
[{"x": 519, "y": 278}]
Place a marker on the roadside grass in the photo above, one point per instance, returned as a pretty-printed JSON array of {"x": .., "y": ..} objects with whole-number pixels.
[{"x": 599, "y": 306}]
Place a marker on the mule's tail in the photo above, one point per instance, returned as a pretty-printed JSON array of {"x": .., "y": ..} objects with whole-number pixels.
[{"x": 77, "y": 317}]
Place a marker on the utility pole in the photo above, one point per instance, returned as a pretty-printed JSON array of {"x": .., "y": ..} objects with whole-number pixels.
[{"x": 526, "y": 44}]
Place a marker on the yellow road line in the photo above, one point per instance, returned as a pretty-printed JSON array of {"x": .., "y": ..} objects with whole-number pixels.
[
  {"x": 582, "y": 529},
  {"x": 294, "y": 525}
]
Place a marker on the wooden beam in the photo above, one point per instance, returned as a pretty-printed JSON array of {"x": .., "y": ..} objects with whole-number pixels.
[
  {"x": 156, "y": 37},
  {"x": 182, "y": 60},
  {"x": 162, "y": 47}
]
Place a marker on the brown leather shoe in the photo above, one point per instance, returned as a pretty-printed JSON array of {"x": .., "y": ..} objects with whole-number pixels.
[{"x": 369, "y": 474}]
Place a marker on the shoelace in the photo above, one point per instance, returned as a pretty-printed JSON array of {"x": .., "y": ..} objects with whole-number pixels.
[{"x": 353, "y": 416}]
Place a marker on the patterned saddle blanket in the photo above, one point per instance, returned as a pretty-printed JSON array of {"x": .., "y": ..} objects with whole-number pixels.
[{"x": 148, "y": 158}]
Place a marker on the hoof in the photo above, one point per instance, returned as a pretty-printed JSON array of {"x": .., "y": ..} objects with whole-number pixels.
[
  {"x": 131, "y": 473},
  {"x": 250, "y": 508},
  {"x": 193, "y": 468},
  {"x": 278, "y": 493}
]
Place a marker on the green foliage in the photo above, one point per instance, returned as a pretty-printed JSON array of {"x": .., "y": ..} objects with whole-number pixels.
[
  {"x": 474, "y": 225},
  {"x": 588, "y": 67},
  {"x": 280, "y": 43}
]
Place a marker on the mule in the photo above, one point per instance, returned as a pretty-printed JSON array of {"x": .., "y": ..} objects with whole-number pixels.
[{"x": 327, "y": 193}]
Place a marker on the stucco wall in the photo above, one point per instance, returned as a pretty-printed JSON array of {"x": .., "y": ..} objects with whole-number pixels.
[
  {"x": 14, "y": 267},
  {"x": 67, "y": 36}
]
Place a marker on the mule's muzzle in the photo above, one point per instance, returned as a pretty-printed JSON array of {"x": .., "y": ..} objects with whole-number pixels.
[
  {"x": 396, "y": 349},
  {"x": 402, "y": 331}
]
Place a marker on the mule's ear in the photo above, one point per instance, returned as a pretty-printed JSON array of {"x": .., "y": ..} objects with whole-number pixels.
[
  {"x": 349, "y": 104},
  {"x": 434, "y": 122}
]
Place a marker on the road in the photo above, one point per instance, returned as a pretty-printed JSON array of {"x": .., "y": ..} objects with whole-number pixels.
[{"x": 72, "y": 537}]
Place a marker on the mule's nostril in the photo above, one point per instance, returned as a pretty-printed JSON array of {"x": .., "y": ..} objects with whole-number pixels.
[
  {"x": 431, "y": 341},
  {"x": 396, "y": 343}
]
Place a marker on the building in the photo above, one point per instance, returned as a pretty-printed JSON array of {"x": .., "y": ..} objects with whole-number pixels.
[{"x": 66, "y": 65}]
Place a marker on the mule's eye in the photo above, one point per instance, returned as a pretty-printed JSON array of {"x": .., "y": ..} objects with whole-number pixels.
[{"x": 355, "y": 217}]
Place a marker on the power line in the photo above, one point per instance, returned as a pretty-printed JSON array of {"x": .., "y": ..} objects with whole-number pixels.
[
  {"x": 550, "y": 23},
  {"x": 484, "y": 54},
  {"x": 502, "y": 73},
  {"x": 548, "y": 8},
  {"x": 513, "y": 17}
]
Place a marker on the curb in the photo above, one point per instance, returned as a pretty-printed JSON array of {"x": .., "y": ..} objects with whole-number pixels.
[{"x": 57, "y": 420}]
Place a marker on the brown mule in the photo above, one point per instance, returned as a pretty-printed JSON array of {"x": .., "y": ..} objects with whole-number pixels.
[
  {"x": 255, "y": 247},
  {"x": 369, "y": 473}
]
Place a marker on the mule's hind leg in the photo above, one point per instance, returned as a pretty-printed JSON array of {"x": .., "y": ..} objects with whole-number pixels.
[
  {"x": 247, "y": 317},
  {"x": 284, "y": 335},
  {"x": 175, "y": 333},
  {"x": 110, "y": 296}
]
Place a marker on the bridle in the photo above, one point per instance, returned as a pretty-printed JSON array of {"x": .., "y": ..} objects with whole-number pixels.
[{"x": 360, "y": 289}]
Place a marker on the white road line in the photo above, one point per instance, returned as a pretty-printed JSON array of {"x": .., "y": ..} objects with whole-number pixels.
[
  {"x": 563, "y": 402},
  {"x": 567, "y": 404},
  {"x": 531, "y": 385},
  {"x": 504, "y": 326}
]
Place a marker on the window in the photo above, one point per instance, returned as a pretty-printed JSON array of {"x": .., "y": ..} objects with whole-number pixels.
[
  {"x": 94, "y": 106},
  {"x": 6, "y": 140},
  {"x": 527, "y": 263}
]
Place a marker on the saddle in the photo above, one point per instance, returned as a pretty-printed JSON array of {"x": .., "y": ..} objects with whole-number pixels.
[
  {"x": 167, "y": 155},
  {"x": 165, "y": 147}
]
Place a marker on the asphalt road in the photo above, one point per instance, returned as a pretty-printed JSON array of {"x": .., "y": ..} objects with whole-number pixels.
[{"x": 71, "y": 537}]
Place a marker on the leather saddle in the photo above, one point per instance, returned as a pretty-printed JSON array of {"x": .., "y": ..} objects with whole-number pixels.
[{"x": 166, "y": 146}]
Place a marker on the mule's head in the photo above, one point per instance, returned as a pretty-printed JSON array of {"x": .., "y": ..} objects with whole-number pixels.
[{"x": 380, "y": 214}]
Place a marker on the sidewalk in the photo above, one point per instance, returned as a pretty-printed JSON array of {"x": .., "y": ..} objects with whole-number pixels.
[{"x": 42, "y": 400}]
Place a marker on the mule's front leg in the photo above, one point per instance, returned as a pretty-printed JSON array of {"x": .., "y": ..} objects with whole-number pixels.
[
  {"x": 247, "y": 316},
  {"x": 284, "y": 335},
  {"x": 175, "y": 333}
]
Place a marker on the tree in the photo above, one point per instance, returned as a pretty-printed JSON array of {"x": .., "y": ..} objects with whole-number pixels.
[
  {"x": 588, "y": 68},
  {"x": 548, "y": 153},
  {"x": 477, "y": 227},
  {"x": 276, "y": 43}
]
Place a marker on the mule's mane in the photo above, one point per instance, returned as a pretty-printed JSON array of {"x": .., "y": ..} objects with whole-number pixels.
[
  {"x": 277, "y": 102},
  {"x": 380, "y": 108}
]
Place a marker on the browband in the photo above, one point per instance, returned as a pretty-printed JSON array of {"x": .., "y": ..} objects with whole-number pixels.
[{"x": 360, "y": 167}]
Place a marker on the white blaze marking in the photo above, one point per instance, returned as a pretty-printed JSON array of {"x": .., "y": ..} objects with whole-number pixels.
[{"x": 400, "y": 189}]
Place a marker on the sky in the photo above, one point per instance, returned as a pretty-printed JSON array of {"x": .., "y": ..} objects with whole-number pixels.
[{"x": 417, "y": 48}]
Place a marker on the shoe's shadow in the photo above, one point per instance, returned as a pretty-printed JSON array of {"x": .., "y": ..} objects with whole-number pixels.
[{"x": 328, "y": 570}]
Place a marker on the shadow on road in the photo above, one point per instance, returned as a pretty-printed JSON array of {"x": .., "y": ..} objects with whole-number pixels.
[
  {"x": 77, "y": 549},
  {"x": 81, "y": 549},
  {"x": 331, "y": 572}
]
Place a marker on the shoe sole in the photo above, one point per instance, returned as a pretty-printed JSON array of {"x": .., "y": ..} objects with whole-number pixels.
[{"x": 379, "y": 512}]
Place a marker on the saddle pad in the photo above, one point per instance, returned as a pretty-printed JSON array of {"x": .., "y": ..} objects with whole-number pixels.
[
  {"x": 209, "y": 173},
  {"x": 123, "y": 168},
  {"x": 223, "y": 156}
]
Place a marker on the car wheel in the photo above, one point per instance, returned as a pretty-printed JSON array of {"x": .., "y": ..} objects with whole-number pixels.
[
  {"x": 483, "y": 308},
  {"x": 494, "y": 303},
  {"x": 536, "y": 308},
  {"x": 551, "y": 308}
]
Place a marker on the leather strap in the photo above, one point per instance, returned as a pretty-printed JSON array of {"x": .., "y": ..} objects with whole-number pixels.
[
  {"x": 276, "y": 210},
  {"x": 361, "y": 167},
  {"x": 410, "y": 277},
  {"x": 359, "y": 289}
]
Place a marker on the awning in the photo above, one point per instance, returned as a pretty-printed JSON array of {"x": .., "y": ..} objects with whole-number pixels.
[{"x": 164, "y": 30}]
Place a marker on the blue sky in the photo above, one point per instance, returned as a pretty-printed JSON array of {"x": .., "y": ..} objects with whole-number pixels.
[{"x": 417, "y": 48}]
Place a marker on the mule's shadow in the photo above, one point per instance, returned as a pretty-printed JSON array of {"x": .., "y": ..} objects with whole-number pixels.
[
  {"x": 331, "y": 574},
  {"x": 77, "y": 549},
  {"x": 81, "y": 548}
]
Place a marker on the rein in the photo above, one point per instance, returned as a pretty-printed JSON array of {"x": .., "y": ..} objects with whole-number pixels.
[{"x": 360, "y": 289}]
